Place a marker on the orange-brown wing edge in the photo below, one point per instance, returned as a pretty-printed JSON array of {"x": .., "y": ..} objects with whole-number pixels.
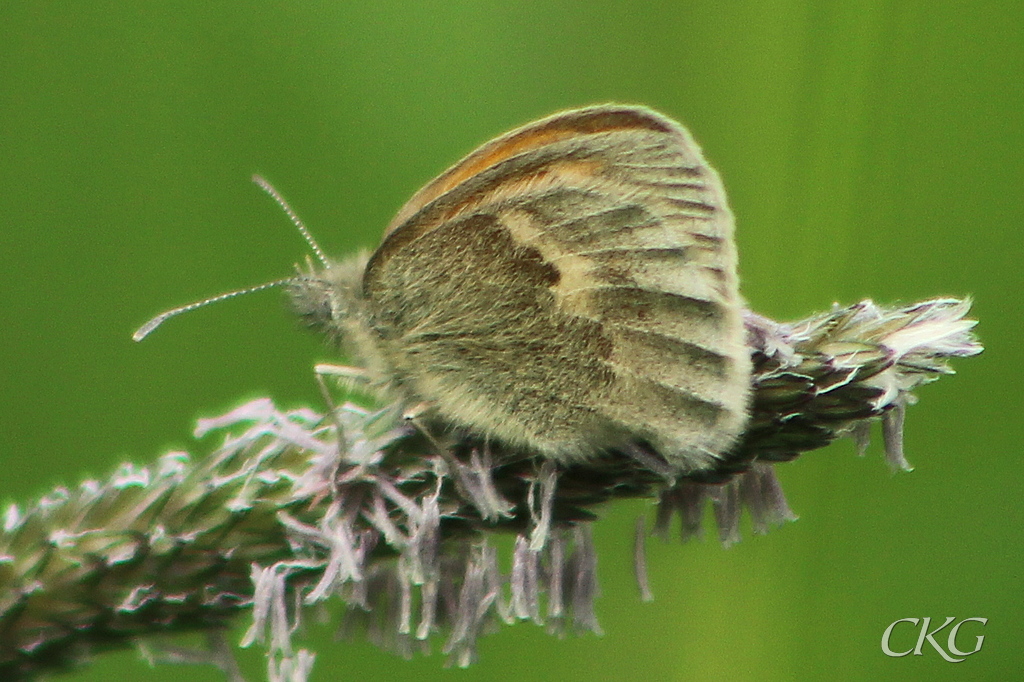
[{"x": 562, "y": 125}]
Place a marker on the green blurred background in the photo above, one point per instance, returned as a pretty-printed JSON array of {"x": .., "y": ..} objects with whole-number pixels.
[{"x": 870, "y": 149}]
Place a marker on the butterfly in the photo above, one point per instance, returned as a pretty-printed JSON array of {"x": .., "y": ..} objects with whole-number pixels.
[{"x": 568, "y": 288}]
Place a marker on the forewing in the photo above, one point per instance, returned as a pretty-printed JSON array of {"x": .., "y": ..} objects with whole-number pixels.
[{"x": 570, "y": 284}]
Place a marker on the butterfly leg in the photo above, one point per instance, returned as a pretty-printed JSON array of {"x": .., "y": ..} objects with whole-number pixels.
[
  {"x": 651, "y": 461},
  {"x": 344, "y": 373}
]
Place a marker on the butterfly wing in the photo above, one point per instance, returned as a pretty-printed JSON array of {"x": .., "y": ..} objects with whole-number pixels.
[{"x": 571, "y": 286}]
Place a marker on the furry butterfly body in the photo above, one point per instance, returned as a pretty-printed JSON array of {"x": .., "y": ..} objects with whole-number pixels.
[{"x": 568, "y": 288}]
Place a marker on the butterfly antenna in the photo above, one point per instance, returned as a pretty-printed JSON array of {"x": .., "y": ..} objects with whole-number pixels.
[
  {"x": 296, "y": 221},
  {"x": 146, "y": 329}
]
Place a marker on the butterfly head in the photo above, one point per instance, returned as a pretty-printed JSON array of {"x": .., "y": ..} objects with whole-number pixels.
[{"x": 328, "y": 298}]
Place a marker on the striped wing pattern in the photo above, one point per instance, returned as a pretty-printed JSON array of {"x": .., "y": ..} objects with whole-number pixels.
[{"x": 571, "y": 286}]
